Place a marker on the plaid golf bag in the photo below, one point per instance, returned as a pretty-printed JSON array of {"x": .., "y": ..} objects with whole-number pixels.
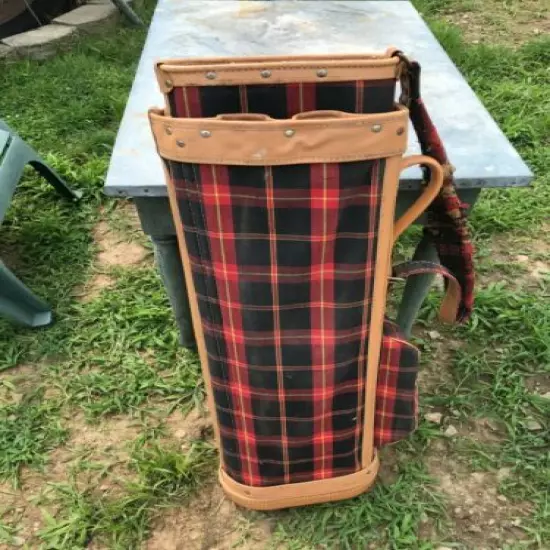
[{"x": 282, "y": 176}]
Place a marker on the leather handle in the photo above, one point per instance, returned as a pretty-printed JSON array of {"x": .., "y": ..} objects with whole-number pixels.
[{"x": 429, "y": 193}]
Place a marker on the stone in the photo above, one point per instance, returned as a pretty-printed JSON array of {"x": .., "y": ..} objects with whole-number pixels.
[
  {"x": 434, "y": 335},
  {"x": 502, "y": 498},
  {"x": 443, "y": 548},
  {"x": 89, "y": 18},
  {"x": 451, "y": 431},
  {"x": 42, "y": 42},
  {"x": 546, "y": 395},
  {"x": 503, "y": 473},
  {"x": 5, "y": 51},
  {"x": 434, "y": 417},
  {"x": 522, "y": 258},
  {"x": 533, "y": 425}
]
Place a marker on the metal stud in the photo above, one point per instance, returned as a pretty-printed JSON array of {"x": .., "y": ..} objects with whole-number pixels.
[
  {"x": 205, "y": 133},
  {"x": 168, "y": 83},
  {"x": 168, "y": 130},
  {"x": 289, "y": 133},
  {"x": 376, "y": 128},
  {"x": 180, "y": 143},
  {"x": 321, "y": 73},
  {"x": 400, "y": 131},
  {"x": 265, "y": 73},
  {"x": 211, "y": 75}
]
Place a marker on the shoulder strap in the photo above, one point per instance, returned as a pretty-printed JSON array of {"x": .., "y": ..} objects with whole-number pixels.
[
  {"x": 448, "y": 312},
  {"x": 446, "y": 225}
]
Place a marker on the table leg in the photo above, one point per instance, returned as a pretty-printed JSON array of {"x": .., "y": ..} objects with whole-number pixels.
[
  {"x": 169, "y": 263},
  {"x": 156, "y": 221},
  {"x": 418, "y": 286}
]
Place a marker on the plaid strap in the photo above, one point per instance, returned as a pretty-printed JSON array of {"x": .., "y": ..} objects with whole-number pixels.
[
  {"x": 448, "y": 312},
  {"x": 446, "y": 224}
]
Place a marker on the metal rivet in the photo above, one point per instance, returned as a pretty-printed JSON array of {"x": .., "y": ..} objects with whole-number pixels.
[
  {"x": 376, "y": 128},
  {"x": 266, "y": 74},
  {"x": 211, "y": 75},
  {"x": 400, "y": 131},
  {"x": 168, "y": 83},
  {"x": 205, "y": 133},
  {"x": 322, "y": 73},
  {"x": 289, "y": 133},
  {"x": 168, "y": 130},
  {"x": 180, "y": 143}
]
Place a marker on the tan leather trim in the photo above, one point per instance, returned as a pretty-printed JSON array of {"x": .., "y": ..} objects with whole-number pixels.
[
  {"x": 254, "y": 70},
  {"x": 430, "y": 192},
  {"x": 272, "y": 142},
  {"x": 381, "y": 273},
  {"x": 300, "y": 494},
  {"x": 195, "y": 315}
]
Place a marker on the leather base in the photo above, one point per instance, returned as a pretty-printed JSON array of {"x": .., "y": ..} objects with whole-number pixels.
[{"x": 300, "y": 494}]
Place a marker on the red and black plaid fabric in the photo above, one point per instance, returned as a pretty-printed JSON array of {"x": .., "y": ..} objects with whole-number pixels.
[
  {"x": 447, "y": 220},
  {"x": 283, "y": 100},
  {"x": 282, "y": 260},
  {"x": 396, "y": 410}
]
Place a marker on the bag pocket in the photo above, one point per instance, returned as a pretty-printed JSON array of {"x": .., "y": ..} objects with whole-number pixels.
[{"x": 396, "y": 410}]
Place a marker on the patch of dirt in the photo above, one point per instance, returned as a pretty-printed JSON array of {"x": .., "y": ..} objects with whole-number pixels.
[
  {"x": 521, "y": 262},
  {"x": 512, "y": 22},
  {"x": 435, "y": 367},
  {"x": 94, "y": 287},
  {"x": 209, "y": 522},
  {"x": 482, "y": 518},
  {"x": 539, "y": 383},
  {"x": 186, "y": 429},
  {"x": 18, "y": 381},
  {"x": 114, "y": 251},
  {"x": 484, "y": 430}
]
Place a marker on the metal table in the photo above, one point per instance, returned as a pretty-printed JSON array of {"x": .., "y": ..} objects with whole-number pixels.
[{"x": 204, "y": 28}]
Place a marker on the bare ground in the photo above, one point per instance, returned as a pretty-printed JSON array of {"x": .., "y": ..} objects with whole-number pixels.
[{"x": 498, "y": 21}]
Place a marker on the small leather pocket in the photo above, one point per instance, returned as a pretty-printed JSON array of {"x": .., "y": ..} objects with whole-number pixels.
[{"x": 396, "y": 410}]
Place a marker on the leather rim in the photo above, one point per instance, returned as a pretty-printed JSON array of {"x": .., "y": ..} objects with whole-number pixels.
[{"x": 300, "y": 494}]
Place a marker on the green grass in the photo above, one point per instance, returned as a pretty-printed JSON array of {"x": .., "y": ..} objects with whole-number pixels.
[
  {"x": 28, "y": 430},
  {"x": 118, "y": 353},
  {"x": 164, "y": 477}
]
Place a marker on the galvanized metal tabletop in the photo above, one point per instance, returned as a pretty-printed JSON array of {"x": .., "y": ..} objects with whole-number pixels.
[{"x": 198, "y": 28}]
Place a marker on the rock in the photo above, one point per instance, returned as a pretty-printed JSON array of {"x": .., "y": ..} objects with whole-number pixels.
[
  {"x": 478, "y": 477},
  {"x": 502, "y": 498},
  {"x": 492, "y": 424},
  {"x": 18, "y": 541},
  {"x": 42, "y": 42},
  {"x": 516, "y": 522},
  {"x": 89, "y": 18},
  {"x": 5, "y": 51},
  {"x": 503, "y": 473},
  {"x": 434, "y": 335},
  {"x": 451, "y": 431},
  {"x": 533, "y": 425},
  {"x": 474, "y": 529},
  {"x": 522, "y": 258},
  {"x": 546, "y": 395},
  {"x": 434, "y": 417},
  {"x": 491, "y": 521},
  {"x": 443, "y": 548}
]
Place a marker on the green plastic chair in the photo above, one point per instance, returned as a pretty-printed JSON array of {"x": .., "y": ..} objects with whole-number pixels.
[{"x": 17, "y": 302}]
